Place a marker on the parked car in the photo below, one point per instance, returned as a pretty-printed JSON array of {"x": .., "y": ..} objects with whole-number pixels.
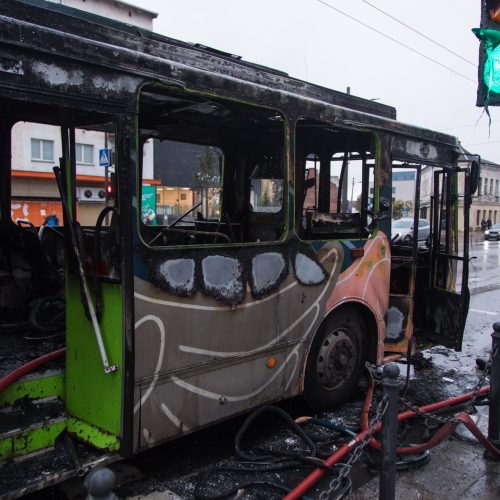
[
  {"x": 493, "y": 233},
  {"x": 402, "y": 230}
]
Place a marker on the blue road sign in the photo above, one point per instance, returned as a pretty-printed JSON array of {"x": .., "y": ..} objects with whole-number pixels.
[
  {"x": 405, "y": 211},
  {"x": 104, "y": 155}
]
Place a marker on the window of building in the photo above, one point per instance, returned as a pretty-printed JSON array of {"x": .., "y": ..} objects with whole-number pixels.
[
  {"x": 85, "y": 154},
  {"x": 485, "y": 186},
  {"x": 496, "y": 187},
  {"x": 42, "y": 150},
  {"x": 480, "y": 186},
  {"x": 491, "y": 186}
]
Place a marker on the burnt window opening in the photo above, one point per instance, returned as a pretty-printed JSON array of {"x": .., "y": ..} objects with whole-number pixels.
[
  {"x": 33, "y": 253},
  {"x": 217, "y": 174},
  {"x": 334, "y": 174}
]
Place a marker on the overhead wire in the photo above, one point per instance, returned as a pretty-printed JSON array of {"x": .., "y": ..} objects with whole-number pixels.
[
  {"x": 469, "y": 126},
  {"x": 423, "y": 35},
  {"x": 408, "y": 47},
  {"x": 481, "y": 143}
]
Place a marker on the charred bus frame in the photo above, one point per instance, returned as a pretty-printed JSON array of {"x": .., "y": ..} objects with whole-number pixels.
[{"x": 210, "y": 316}]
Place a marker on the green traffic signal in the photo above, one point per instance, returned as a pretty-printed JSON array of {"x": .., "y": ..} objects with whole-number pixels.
[{"x": 491, "y": 68}]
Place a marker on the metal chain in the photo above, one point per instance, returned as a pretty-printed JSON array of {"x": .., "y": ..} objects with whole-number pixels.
[
  {"x": 444, "y": 420},
  {"x": 482, "y": 379},
  {"x": 344, "y": 468},
  {"x": 427, "y": 416}
]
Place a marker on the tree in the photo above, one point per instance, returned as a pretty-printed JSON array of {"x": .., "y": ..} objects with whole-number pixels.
[
  {"x": 357, "y": 203},
  {"x": 397, "y": 208},
  {"x": 264, "y": 200},
  {"x": 206, "y": 177}
]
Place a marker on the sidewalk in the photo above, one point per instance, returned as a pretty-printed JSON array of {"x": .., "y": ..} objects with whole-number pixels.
[{"x": 457, "y": 470}]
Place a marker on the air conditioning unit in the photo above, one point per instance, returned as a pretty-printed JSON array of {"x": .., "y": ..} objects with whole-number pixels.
[{"x": 90, "y": 194}]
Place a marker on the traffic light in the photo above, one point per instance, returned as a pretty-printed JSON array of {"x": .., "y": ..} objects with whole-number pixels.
[
  {"x": 110, "y": 188},
  {"x": 488, "y": 91}
]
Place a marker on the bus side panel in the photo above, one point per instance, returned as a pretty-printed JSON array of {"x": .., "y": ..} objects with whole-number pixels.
[
  {"x": 199, "y": 361},
  {"x": 367, "y": 281}
]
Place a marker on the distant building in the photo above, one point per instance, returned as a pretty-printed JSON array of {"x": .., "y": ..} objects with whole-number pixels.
[
  {"x": 403, "y": 185},
  {"x": 311, "y": 201},
  {"x": 485, "y": 202},
  {"x": 36, "y": 147},
  {"x": 114, "y": 9}
]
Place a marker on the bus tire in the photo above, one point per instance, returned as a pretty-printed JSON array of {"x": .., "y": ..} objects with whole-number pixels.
[{"x": 336, "y": 360}]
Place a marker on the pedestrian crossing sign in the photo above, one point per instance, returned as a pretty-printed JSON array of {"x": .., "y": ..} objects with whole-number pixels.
[{"x": 104, "y": 155}]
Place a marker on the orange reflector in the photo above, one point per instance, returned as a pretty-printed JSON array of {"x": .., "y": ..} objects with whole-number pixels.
[
  {"x": 356, "y": 253},
  {"x": 271, "y": 362}
]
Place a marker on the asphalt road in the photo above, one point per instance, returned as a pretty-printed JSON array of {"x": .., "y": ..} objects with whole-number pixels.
[{"x": 485, "y": 264}]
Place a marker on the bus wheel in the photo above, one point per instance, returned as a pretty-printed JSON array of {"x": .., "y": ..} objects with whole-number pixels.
[{"x": 335, "y": 361}]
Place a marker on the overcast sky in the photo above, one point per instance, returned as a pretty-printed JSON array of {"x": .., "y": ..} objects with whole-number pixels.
[{"x": 309, "y": 40}]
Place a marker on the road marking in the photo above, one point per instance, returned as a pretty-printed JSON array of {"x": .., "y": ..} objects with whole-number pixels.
[
  {"x": 482, "y": 311},
  {"x": 475, "y": 279}
]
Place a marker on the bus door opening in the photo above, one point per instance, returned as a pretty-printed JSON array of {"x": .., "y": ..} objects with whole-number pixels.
[
  {"x": 448, "y": 294},
  {"x": 410, "y": 235}
]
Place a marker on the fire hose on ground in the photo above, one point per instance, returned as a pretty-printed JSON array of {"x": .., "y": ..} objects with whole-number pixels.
[
  {"x": 444, "y": 432},
  {"x": 29, "y": 367}
]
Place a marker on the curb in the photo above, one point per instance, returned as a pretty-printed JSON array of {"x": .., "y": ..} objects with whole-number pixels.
[{"x": 485, "y": 288}]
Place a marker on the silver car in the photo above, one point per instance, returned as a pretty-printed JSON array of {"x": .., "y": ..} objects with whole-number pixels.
[
  {"x": 493, "y": 233},
  {"x": 402, "y": 230}
]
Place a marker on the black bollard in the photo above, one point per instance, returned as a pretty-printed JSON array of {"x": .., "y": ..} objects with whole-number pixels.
[
  {"x": 390, "y": 384},
  {"x": 494, "y": 415}
]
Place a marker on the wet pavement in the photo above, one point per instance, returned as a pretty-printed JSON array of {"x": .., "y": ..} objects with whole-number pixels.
[
  {"x": 457, "y": 468},
  {"x": 485, "y": 266}
]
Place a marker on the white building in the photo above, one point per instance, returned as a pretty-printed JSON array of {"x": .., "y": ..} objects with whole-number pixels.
[
  {"x": 486, "y": 201},
  {"x": 114, "y": 9},
  {"x": 36, "y": 148}
]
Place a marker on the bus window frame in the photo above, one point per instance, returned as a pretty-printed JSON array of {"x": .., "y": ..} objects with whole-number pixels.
[
  {"x": 150, "y": 85},
  {"x": 376, "y": 144}
]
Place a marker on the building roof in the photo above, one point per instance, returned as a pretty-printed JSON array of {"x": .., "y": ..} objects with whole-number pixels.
[
  {"x": 127, "y": 5},
  {"x": 468, "y": 156}
]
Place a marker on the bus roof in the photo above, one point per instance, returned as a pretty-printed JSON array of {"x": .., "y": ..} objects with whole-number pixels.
[{"x": 100, "y": 30}]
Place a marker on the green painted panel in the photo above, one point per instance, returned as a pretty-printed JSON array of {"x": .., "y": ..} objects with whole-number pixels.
[
  {"x": 35, "y": 388},
  {"x": 91, "y": 394},
  {"x": 89, "y": 434},
  {"x": 32, "y": 440}
]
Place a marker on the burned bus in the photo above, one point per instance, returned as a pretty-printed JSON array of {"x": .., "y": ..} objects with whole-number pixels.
[{"x": 271, "y": 274}]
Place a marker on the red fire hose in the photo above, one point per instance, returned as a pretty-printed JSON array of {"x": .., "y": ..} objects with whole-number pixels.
[
  {"x": 445, "y": 431},
  {"x": 29, "y": 367}
]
